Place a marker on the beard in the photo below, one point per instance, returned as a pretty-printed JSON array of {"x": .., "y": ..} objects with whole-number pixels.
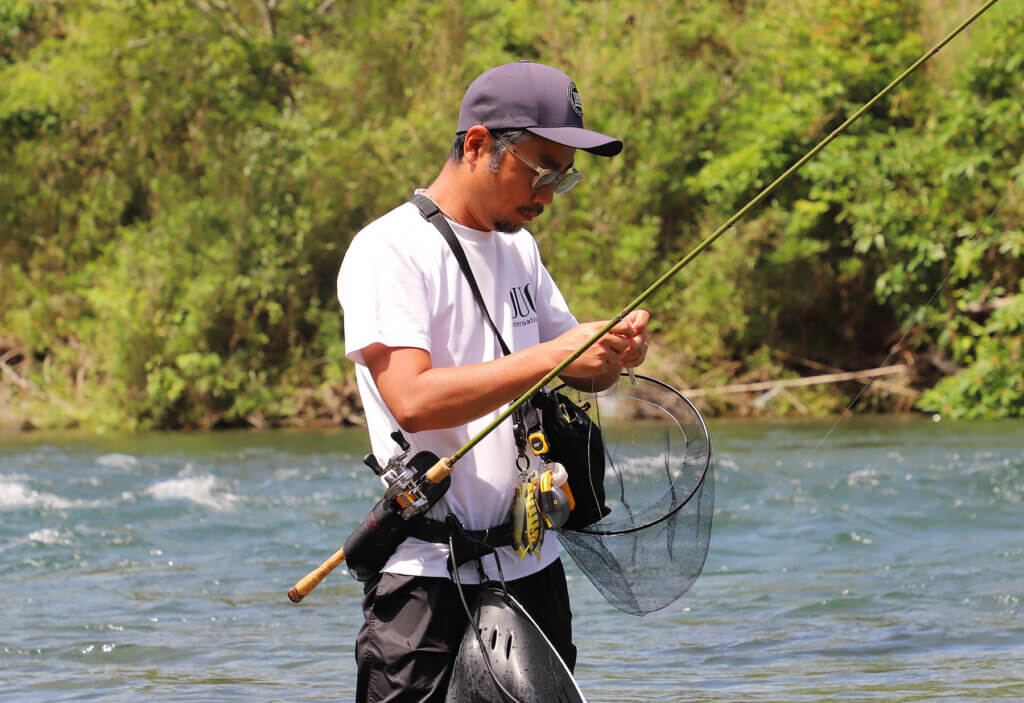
[{"x": 508, "y": 228}]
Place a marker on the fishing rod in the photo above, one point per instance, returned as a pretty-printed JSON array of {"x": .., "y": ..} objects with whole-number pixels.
[
  {"x": 421, "y": 488},
  {"x": 725, "y": 226}
]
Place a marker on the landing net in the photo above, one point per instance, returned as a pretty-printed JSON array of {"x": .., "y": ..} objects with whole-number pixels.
[{"x": 659, "y": 483}]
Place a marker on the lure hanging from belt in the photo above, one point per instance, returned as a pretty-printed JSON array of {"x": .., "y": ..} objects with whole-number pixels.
[
  {"x": 562, "y": 434},
  {"x": 408, "y": 495},
  {"x": 542, "y": 501}
]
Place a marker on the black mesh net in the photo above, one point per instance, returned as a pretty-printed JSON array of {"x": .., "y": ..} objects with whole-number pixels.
[{"x": 659, "y": 484}]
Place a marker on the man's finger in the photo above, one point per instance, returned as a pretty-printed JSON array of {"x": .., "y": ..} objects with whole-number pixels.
[{"x": 623, "y": 328}]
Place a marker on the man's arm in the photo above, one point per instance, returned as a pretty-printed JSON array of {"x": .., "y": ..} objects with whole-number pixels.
[{"x": 422, "y": 397}]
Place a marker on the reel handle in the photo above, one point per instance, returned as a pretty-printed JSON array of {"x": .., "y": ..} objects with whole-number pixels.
[
  {"x": 371, "y": 461},
  {"x": 400, "y": 440}
]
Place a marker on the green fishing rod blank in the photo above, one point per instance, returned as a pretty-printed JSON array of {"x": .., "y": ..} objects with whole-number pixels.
[{"x": 711, "y": 238}]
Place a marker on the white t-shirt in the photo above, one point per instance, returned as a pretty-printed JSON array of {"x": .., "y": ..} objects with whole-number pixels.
[{"x": 401, "y": 286}]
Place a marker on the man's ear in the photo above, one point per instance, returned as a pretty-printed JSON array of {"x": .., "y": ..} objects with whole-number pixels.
[{"x": 478, "y": 145}]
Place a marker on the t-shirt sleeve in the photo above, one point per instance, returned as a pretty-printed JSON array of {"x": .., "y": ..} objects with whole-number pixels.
[
  {"x": 553, "y": 312},
  {"x": 384, "y": 295}
]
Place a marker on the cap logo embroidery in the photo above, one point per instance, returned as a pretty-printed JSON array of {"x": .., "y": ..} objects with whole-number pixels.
[{"x": 574, "y": 99}]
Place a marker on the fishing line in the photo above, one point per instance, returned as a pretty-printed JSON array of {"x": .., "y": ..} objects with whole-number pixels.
[
  {"x": 445, "y": 465},
  {"x": 914, "y": 322}
]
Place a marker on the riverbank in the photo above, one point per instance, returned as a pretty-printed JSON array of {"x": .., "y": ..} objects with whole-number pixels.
[
  {"x": 27, "y": 407},
  {"x": 175, "y": 209}
]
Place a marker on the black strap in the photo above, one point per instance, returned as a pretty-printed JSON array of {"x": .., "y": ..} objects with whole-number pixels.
[
  {"x": 526, "y": 420},
  {"x": 430, "y": 530},
  {"x": 463, "y": 545},
  {"x": 432, "y": 214}
]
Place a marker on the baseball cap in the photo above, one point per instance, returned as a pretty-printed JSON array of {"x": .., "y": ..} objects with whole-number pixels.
[{"x": 534, "y": 97}]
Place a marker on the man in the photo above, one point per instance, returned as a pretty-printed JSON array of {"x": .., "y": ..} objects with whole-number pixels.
[{"x": 427, "y": 362}]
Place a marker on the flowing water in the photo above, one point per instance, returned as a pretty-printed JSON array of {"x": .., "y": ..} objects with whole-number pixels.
[{"x": 886, "y": 564}]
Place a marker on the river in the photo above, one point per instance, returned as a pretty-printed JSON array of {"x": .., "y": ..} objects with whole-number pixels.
[{"x": 877, "y": 559}]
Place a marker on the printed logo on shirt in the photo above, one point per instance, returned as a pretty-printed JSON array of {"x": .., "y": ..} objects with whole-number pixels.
[{"x": 524, "y": 311}]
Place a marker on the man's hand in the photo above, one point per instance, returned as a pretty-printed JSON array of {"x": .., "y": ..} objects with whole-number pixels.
[
  {"x": 623, "y": 346},
  {"x": 637, "y": 351}
]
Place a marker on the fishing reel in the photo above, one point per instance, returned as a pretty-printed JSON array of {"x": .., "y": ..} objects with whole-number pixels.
[
  {"x": 408, "y": 493},
  {"x": 406, "y": 486}
]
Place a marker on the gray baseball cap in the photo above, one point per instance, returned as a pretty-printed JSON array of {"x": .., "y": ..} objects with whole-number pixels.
[{"x": 534, "y": 97}]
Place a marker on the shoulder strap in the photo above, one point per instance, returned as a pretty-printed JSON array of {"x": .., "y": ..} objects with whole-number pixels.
[
  {"x": 432, "y": 214},
  {"x": 526, "y": 420}
]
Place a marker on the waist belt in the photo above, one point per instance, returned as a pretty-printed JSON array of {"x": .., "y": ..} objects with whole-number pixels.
[{"x": 466, "y": 545}]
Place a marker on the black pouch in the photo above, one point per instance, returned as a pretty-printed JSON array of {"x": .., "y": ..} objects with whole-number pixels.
[{"x": 574, "y": 441}]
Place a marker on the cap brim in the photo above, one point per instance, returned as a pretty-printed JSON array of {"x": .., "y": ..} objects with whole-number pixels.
[{"x": 593, "y": 142}]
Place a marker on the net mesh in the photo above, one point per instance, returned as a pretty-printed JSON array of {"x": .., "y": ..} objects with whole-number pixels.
[{"x": 659, "y": 483}]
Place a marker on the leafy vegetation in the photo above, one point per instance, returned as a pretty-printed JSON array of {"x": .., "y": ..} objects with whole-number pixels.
[{"x": 181, "y": 178}]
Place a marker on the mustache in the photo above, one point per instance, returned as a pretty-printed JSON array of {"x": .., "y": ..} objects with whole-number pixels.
[{"x": 535, "y": 211}]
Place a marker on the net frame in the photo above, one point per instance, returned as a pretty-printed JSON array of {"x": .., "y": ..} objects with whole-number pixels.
[
  {"x": 592, "y": 530},
  {"x": 634, "y": 555}
]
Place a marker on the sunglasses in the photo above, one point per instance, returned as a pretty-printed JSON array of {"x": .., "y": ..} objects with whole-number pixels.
[{"x": 562, "y": 182}]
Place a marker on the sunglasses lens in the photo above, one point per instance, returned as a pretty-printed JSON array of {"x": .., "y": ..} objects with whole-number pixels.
[
  {"x": 545, "y": 179},
  {"x": 569, "y": 181}
]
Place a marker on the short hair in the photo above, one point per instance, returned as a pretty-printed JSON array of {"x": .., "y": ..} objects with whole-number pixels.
[{"x": 512, "y": 136}]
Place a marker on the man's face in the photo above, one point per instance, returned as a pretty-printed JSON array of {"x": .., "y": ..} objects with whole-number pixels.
[{"x": 511, "y": 197}]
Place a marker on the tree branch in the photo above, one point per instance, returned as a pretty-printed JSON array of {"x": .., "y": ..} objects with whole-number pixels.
[
  {"x": 234, "y": 22},
  {"x": 797, "y": 382},
  {"x": 266, "y": 9},
  {"x": 987, "y": 306}
]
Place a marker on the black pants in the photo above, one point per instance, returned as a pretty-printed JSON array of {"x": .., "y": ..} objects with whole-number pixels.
[{"x": 414, "y": 625}]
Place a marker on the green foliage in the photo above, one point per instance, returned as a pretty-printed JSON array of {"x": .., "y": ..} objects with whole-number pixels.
[
  {"x": 181, "y": 180},
  {"x": 992, "y": 384}
]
